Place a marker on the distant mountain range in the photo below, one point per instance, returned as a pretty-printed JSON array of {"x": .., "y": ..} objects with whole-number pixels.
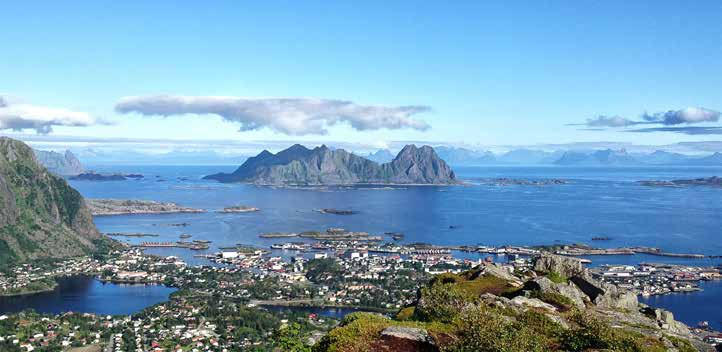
[
  {"x": 299, "y": 165},
  {"x": 66, "y": 164},
  {"x": 605, "y": 157}
]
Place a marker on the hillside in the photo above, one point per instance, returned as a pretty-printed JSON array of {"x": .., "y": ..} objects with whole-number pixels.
[
  {"x": 556, "y": 306},
  {"x": 40, "y": 215},
  {"x": 299, "y": 165}
]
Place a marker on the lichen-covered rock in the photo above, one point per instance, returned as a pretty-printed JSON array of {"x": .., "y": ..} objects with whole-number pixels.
[
  {"x": 533, "y": 303},
  {"x": 401, "y": 338},
  {"x": 499, "y": 272},
  {"x": 605, "y": 295},
  {"x": 567, "y": 266},
  {"x": 568, "y": 290}
]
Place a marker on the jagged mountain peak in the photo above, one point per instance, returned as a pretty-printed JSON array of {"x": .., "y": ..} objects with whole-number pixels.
[{"x": 299, "y": 165}]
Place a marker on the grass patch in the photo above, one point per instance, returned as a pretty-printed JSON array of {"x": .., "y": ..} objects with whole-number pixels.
[{"x": 557, "y": 277}]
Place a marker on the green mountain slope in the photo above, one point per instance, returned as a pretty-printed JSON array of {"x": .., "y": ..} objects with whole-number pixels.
[{"x": 41, "y": 216}]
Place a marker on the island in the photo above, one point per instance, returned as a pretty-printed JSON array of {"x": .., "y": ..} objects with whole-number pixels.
[
  {"x": 713, "y": 181},
  {"x": 336, "y": 211},
  {"x": 322, "y": 166},
  {"x": 331, "y": 234},
  {"x": 94, "y": 176},
  {"x": 503, "y": 181},
  {"x": 239, "y": 209},
  {"x": 104, "y": 207}
]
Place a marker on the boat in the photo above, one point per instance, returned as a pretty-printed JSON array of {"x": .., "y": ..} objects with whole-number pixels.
[{"x": 185, "y": 235}]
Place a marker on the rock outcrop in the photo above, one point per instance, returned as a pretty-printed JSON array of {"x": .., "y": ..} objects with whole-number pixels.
[
  {"x": 566, "y": 266},
  {"x": 601, "y": 294},
  {"x": 568, "y": 290},
  {"x": 41, "y": 215},
  {"x": 401, "y": 338},
  {"x": 299, "y": 165}
]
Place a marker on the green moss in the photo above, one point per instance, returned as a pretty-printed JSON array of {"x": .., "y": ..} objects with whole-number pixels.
[
  {"x": 405, "y": 313},
  {"x": 557, "y": 277},
  {"x": 592, "y": 333},
  {"x": 486, "y": 284}
]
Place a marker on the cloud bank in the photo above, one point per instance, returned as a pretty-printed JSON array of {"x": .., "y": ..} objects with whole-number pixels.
[
  {"x": 673, "y": 118},
  {"x": 22, "y": 116},
  {"x": 684, "y": 116},
  {"x": 285, "y": 115}
]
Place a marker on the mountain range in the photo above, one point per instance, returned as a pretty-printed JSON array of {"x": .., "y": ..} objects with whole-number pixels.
[
  {"x": 299, "y": 165},
  {"x": 66, "y": 164},
  {"x": 604, "y": 157},
  {"x": 41, "y": 216}
]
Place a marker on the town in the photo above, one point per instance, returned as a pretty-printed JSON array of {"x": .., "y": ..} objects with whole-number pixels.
[{"x": 246, "y": 280}]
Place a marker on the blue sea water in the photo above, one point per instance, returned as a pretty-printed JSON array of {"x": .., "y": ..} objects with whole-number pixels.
[
  {"x": 88, "y": 295},
  {"x": 595, "y": 202}
]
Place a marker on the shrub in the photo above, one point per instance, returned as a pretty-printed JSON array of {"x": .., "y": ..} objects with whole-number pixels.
[
  {"x": 557, "y": 277},
  {"x": 481, "y": 329},
  {"x": 441, "y": 302}
]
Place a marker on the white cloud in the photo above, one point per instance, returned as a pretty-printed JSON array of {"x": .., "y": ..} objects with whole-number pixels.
[
  {"x": 609, "y": 121},
  {"x": 285, "y": 115},
  {"x": 19, "y": 116},
  {"x": 686, "y": 116}
]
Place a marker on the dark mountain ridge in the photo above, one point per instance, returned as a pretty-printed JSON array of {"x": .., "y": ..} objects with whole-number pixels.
[{"x": 299, "y": 165}]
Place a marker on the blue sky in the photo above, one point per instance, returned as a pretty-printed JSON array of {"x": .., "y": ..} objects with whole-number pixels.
[{"x": 492, "y": 73}]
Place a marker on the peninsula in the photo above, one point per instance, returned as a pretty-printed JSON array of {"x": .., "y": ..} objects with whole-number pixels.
[
  {"x": 713, "y": 181},
  {"x": 300, "y": 166},
  {"x": 103, "y": 207}
]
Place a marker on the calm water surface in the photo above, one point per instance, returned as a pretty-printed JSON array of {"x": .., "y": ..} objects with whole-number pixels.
[
  {"x": 597, "y": 201},
  {"x": 88, "y": 295}
]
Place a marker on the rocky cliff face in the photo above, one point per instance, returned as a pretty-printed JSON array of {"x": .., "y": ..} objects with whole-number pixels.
[
  {"x": 40, "y": 215},
  {"x": 60, "y": 164},
  {"x": 298, "y": 165}
]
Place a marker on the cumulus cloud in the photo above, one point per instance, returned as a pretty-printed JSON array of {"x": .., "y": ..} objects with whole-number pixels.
[
  {"x": 691, "y": 115},
  {"x": 20, "y": 116},
  {"x": 684, "y": 116},
  {"x": 285, "y": 115},
  {"x": 609, "y": 121}
]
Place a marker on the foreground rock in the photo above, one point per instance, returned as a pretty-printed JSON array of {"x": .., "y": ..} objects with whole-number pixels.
[
  {"x": 401, "y": 338},
  {"x": 298, "y": 165},
  {"x": 102, "y": 207},
  {"x": 480, "y": 310},
  {"x": 565, "y": 266}
]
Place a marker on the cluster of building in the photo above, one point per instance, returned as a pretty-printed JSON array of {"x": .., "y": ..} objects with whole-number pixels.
[
  {"x": 656, "y": 279},
  {"x": 25, "y": 278}
]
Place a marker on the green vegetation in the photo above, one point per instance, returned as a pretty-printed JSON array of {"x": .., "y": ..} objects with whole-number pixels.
[
  {"x": 320, "y": 270},
  {"x": 451, "y": 310},
  {"x": 41, "y": 216},
  {"x": 557, "y": 277}
]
